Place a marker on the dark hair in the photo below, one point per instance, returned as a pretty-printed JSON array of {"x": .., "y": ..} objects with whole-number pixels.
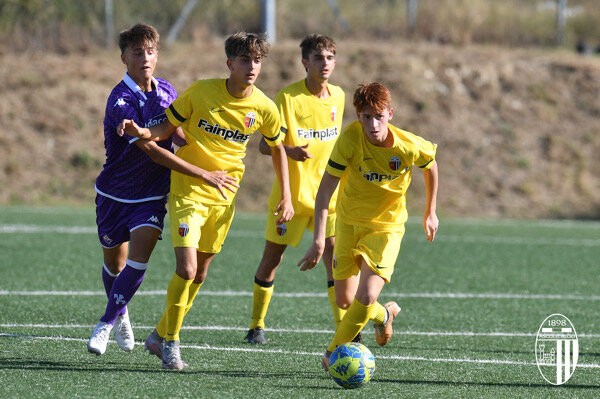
[
  {"x": 316, "y": 42},
  {"x": 138, "y": 34},
  {"x": 373, "y": 95},
  {"x": 243, "y": 43}
]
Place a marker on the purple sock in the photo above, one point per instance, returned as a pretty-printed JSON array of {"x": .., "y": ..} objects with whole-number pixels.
[
  {"x": 108, "y": 279},
  {"x": 121, "y": 293}
]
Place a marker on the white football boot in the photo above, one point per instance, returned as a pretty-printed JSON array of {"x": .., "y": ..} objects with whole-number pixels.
[
  {"x": 124, "y": 333},
  {"x": 99, "y": 339}
]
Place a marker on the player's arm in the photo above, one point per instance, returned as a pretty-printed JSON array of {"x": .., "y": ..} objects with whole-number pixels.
[
  {"x": 159, "y": 132},
  {"x": 430, "y": 220},
  {"x": 284, "y": 208},
  {"x": 297, "y": 153},
  {"x": 326, "y": 189},
  {"x": 178, "y": 137},
  {"x": 218, "y": 179}
]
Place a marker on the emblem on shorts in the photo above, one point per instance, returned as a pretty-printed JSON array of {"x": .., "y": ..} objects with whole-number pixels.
[
  {"x": 395, "y": 163},
  {"x": 556, "y": 349},
  {"x": 153, "y": 219},
  {"x": 333, "y": 113},
  {"x": 281, "y": 229},
  {"x": 183, "y": 229},
  {"x": 107, "y": 239},
  {"x": 250, "y": 119}
]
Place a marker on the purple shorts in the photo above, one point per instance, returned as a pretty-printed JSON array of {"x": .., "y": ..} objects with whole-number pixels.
[{"x": 116, "y": 220}]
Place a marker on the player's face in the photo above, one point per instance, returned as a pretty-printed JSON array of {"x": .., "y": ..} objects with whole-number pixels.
[
  {"x": 375, "y": 125},
  {"x": 141, "y": 61},
  {"x": 244, "y": 69},
  {"x": 320, "y": 64}
]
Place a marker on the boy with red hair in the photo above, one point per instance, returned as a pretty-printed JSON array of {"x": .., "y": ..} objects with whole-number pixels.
[{"x": 376, "y": 160}]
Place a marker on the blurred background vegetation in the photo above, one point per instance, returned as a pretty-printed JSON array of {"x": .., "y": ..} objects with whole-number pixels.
[{"x": 67, "y": 25}]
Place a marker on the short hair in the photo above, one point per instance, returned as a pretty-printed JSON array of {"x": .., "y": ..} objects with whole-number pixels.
[
  {"x": 243, "y": 43},
  {"x": 138, "y": 34},
  {"x": 316, "y": 42},
  {"x": 373, "y": 95}
]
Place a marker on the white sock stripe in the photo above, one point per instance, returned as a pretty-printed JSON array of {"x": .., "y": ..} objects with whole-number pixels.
[
  {"x": 108, "y": 271},
  {"x": 137, "y": 265}
]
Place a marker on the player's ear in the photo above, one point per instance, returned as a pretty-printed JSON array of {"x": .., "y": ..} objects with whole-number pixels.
[
  {"x": 229, "y": 64},
  {"x": 305, "y": 64},
  {"x": 391, "y": 114},
  {"x": 123, "y": 58}
]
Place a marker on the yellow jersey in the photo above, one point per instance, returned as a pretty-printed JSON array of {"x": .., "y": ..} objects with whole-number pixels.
[
  {"x": 376, "y": 178},
  {"x": 307, "y": 119},
  {"x": 217, "y": 128}
]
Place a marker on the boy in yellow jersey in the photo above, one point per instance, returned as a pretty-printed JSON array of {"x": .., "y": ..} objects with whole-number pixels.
[
  {"x": 311, "y": 119},
  {"x": 376, "y": 160},
  {"x": 218, "y": 116}
]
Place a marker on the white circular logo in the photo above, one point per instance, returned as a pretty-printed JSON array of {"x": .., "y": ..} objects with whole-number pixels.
[{"x": 556, "y": 349}]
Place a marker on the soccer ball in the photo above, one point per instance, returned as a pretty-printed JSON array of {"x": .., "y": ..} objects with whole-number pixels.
[{"x": 351, "y": 365}]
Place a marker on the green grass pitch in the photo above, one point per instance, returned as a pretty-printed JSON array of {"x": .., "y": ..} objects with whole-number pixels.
[{"x": 472, "y": 303}]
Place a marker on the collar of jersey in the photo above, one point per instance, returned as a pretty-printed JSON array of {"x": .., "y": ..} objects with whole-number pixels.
[{"x": 134, "y": 86}]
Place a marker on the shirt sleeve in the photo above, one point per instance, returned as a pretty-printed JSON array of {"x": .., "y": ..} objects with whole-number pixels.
[
  {"x": 180, "y": 109},
  {"x": 271, "y": 127},
  {"x": 124, "y": 108},
  {"x": 425, "y": 154},
  {"x": 340, "y": 157},
  {"x": 284, "y": 111}
]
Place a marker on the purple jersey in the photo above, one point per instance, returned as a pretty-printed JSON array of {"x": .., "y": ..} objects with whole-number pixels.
[{"x": 129, "y": 175}]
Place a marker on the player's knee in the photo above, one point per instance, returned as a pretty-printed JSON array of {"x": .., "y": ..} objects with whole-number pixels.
[
  {"x": 366, "y": 298},
  {"x": 114, "y": 267},
  {"x": 343, "y": 303}
]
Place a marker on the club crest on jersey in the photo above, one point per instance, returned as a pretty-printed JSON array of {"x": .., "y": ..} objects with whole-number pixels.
[
  {"x": 250, "y": 119},
  {"x": 333, "y": 113},
  {"x": 395, "y": 163},
  {"x": 281, "y": 229},
  {"x": 184, "y": 229}
]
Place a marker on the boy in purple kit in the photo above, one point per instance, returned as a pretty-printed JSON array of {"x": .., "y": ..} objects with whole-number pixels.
[{"x": 133, "y": 185}]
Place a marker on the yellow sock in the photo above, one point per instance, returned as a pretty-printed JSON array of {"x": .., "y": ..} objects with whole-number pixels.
[
  {"x": 379, "y": 314},
  {"x": 354, "y": 320},
  {"x": 177, "y": 300},
  {"x": 161, "y": 327},
  {"x": 338, "y": 313},
  {"x": 263, "y": 290}
]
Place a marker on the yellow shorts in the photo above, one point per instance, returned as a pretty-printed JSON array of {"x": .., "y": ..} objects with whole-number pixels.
[
  {"x": 200, "y": 226},
  {"x": 379, "y": 249},
  {"x": 290, "y": 233}
]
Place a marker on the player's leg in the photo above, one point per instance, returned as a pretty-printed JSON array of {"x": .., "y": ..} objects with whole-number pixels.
[
  {"x": 113, "y": 236},
  {"x": 364, "y": 307},
  {"x": 263, "y": 290},
  {"x": 114, "y": 262},
  {"x": 177, "y": 299},
  {"x": 278, "y": 237}
]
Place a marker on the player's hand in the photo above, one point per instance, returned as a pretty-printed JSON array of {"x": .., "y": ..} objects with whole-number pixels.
[
  {"x": 285, "y": 210},
  {"x": 221, "y": 181},
  {"x": 431, "y": 224},
  {"x": 312, "y": 256},
  {"x": 299, "y": 153},
  {"x": 129, "y": 127}
]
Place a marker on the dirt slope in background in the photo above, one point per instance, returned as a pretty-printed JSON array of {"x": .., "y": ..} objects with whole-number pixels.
[{"x": 518, "y": 130}]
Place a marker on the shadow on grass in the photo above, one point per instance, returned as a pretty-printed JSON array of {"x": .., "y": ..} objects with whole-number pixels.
[
  {"x": 485, "y": 384},
  {"x": 497, "y": 351},
  {"x": 109, "y": 366}
]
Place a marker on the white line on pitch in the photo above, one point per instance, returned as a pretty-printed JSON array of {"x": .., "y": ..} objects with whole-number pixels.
[
  {"x": 286, "y": 352},
  {"x": 302, "y": 331},
  {"x": 430, "y": 295},
  {"x": 583, "y": 242}
]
